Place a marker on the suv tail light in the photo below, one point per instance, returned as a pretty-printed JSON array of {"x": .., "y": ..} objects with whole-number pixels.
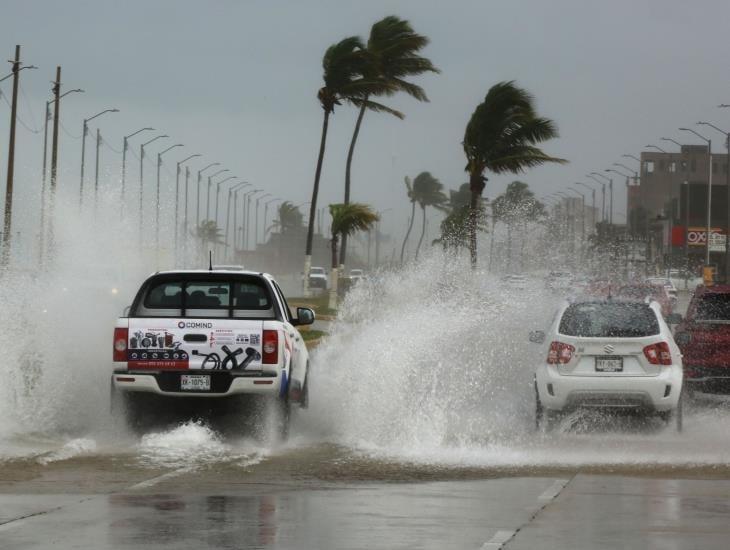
[
  {"x": 658, "y": 354},
  {"x": 121, "y": 336},
  {"x": 560, "y": 353},
  {"x": 270, "y": 347}
]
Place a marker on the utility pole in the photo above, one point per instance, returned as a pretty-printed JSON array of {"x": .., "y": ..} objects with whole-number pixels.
[
  {"x": 96, "y": 169},
  {"x": 7, "y": 225},
  {"x": 54, "y": 154},
  {"x": 125, "y": 146},
  {"x": 85, "y": 130},
  {"x": 41, "y": 236}
]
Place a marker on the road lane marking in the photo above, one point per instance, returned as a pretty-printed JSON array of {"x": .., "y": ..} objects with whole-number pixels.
[
  {"x": 499, "y": 538},
  {"x": 554, "y": 490}
]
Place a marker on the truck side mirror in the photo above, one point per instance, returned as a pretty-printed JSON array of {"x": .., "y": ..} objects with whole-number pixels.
[{"x": 305, "y": 316}]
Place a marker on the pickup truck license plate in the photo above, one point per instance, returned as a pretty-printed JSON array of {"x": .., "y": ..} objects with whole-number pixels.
[
  {"x": 609, "y": 364},
  {"x": 195, "y": 382}
]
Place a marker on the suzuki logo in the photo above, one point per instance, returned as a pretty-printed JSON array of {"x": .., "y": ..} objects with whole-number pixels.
[{"x": 608, "y": 349}]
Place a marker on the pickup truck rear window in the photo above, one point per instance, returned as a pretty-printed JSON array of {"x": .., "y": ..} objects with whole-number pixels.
[
  {"x": 609, "y": 320},
  {"x": 207, "y": 298}
]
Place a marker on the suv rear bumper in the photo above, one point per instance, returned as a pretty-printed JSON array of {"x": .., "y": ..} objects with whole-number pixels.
[
  {"x": 222, "y": 383},
  {"x": 653, "y": 393}
]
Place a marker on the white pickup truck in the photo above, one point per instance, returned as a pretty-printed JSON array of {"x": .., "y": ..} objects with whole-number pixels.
[{"x": 210, "y": 334}]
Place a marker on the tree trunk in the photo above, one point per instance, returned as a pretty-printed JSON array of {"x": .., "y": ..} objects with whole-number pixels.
[
  {"x": 408, "y": 233},
  {"x": 334, "y": 276},
  {"x": 476, "y": 186},
  {"x": 348, "y": 169},
  {"x": 423, "y": 231},
  {"x": 313, "y": 204}
]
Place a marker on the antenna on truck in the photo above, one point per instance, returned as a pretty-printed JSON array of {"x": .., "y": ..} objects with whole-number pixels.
[{"x": 210, "y": 260}]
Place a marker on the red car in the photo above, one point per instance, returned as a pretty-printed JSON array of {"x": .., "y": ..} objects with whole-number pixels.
[
  {"x": 704, "y": 339},
  {"x": 642, "y": 291}
]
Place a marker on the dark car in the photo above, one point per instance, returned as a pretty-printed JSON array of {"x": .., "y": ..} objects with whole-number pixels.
[{"x": 704, "y": 339}]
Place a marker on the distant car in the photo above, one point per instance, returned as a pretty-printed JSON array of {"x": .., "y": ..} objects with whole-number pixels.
[
  {"x": 318, "y": 278},
  {"x": 643, "y": 291},
  {"x": 611, "y": 354},
  {"x": 685, "y": 280},
  {"x": 517, "y": 282},
  {"x": 357, "y": 275},
  {"x": 703, "y": 337}
]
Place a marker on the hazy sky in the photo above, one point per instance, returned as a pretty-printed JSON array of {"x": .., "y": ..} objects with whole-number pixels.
[{"x": 237, "y": 82}]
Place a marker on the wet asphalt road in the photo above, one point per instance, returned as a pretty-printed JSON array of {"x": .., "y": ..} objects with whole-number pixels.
[{"x": 581, "y": 511}]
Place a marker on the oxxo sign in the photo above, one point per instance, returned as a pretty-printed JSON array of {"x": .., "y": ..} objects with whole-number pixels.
[{"x": 697, "y": 236}]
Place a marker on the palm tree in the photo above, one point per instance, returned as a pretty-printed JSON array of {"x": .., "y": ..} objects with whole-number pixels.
[
  {"x": 346, "y": 220},
  {"x": 516, "y": 206},
  {"x": 455, "y": 226},
  {"x": 344, "y": 80},
  {"x": 428, "y": 192},
  {"x": 412, "y": 198},
  {"x": 391, "y": 57},
  {"x": 208, "y": 233},
  {"x": 290, "y": 218},
  {"x": 501, "y": 137}
]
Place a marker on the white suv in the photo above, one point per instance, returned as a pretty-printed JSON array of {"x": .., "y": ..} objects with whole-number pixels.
[{"x": 611, "y": 354}]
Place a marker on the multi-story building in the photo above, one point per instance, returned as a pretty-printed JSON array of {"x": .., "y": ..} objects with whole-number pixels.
[{"x": 669, "y": 204}]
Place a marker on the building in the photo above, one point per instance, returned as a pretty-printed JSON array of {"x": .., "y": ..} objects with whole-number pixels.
[{"x": 669, "y": 205}]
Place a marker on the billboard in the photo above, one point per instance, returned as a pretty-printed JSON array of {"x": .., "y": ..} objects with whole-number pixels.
[{"x": 697, "y": 237}]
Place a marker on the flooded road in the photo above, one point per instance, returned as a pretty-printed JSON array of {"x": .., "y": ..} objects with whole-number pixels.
[{"x": 420, "y": 434}]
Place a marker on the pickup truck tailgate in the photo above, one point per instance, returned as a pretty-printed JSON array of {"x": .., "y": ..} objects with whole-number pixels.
[{"x": 194, "y": 344}]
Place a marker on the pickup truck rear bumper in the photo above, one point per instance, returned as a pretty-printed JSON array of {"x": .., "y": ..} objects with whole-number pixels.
[{"x": 221, "y": 383}]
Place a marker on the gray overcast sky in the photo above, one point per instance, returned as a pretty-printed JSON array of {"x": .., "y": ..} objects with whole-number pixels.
[{"x": 237, "y": 81}]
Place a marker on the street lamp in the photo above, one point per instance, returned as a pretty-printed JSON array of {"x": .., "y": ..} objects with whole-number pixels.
[
  {"x": 207, "y": 200},
  {"x": 125, "y": 146},
  {"x": 727, "y": 183},
  {"x": 256, "y": 220},
  {"x": 709, "y": 192},
  {"x": 197, "y": 203},
  {"x": 85, "y": 130},
  {"x": 583, "y": 212},
  {"x": 233, "y": 191},
  {"x": 157, "y": 197},
  {"x": 603, "y": 194},
  {"x": 266, "y": 215},
  {"x": 218, "y": 192},
  {"x": 673, "y": 141},
  {"x": 177, "y": 195},
  {"x": 650, "y": 146},
  {"x": 141, "y": 181},
  {"x": 593, "y": 201},
  {"x": 247, "y": 215}
]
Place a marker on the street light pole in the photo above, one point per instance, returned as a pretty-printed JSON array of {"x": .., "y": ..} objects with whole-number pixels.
[
  {"x": 233, "y": 192},
  {"x": 125, "y": 146},
  {"x": 85, "y": 130},
  {"x": 709, "y": 193},
  {"x": 197, "y": 203},
  {"x": 247, "y": 215},
  {"x": 256, "y": 220},
  {"x": 593, "y": 201},
  {"x": 583, "y": 212},
  {"x": 727, "y": 184},
  {"x": 141, "y": 183},
  {"x": 218, "y": 192},
  {"x": 157, "y": 196},
  {"x": 177, "y": 197},
  {"x": 603, "y": 195},
  {"x": 207, "y": 199},
  {"x": 610, "y": 192}
]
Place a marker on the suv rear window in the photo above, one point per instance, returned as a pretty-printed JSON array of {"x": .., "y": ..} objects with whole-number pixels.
[
  {"x": 609, "y": 320},
  {"x": 713, "y": 307}
]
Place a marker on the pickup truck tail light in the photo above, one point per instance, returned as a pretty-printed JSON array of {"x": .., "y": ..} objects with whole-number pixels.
[
  {"x": 270, "y": 346},
  {"x": 560, "y": 353},
  {"x": 120, "y": 344},
  {"x": 658, "y": 354}
]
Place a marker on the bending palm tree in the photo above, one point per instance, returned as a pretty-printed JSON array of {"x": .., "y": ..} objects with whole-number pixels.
[
  {"x": 346, "y": 220},
  {"x": 500, "y": 137},
  {"x": 412, "y": 198},
  {"x": 391, "y": 56},
  {"x": 343, "y": 65},
  {"x": 428, "y": 192}
]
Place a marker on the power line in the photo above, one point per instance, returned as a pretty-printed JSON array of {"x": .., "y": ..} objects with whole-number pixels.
[
  {"x": 69, "y": 134},
  {"x": 17, "y": 117},
  {"x": 30, "y": 108}
]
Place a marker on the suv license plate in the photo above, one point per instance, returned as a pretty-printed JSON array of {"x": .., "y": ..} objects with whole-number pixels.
[
  {"x": 609, "y": 364},
  {"x": 195, "y": 382}
]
